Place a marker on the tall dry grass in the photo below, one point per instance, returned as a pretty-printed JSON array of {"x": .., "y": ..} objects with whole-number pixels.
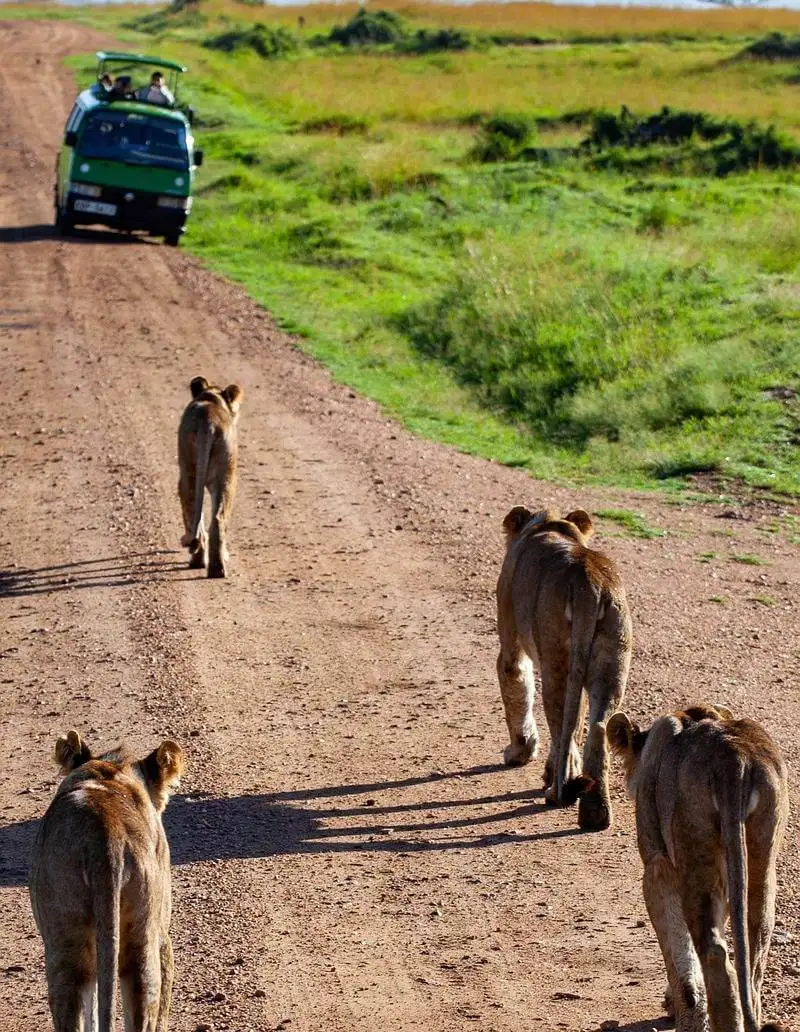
[
  {"x": 446, "y": 88},
  {"x": 556, "y": 20}
]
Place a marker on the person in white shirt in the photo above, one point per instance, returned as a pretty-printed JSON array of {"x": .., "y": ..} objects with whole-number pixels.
[{"x": 157, "y": 92}]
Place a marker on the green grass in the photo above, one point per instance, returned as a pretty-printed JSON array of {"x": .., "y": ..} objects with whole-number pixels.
[
  {"x": 633, "y": 522},
  {"x": 791, "y": 525},
  {"x": 626, "y": 324},
  {"x": 748, "y": 560}
]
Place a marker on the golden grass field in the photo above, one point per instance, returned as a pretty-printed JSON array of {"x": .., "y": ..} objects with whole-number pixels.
[
  {"x": 537, "y": 18},
  {"x": 447, "y": 87}
]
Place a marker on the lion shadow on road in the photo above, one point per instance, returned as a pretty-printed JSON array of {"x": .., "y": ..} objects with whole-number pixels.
[
  {"x": 647, "y": 1025},
  {"x": 107, "y": 572},
  {"x": 206, "y": 827},
  {"x": 16, "y": 843},
  {"x": 47, "y": 231},
  {"x": 202, "y": 827}
]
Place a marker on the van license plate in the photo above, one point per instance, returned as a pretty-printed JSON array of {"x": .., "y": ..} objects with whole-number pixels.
[{"x": 96, "y": 207}]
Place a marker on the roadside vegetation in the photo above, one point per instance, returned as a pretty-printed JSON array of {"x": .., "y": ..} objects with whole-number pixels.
[{"x": 581, "y": 258}]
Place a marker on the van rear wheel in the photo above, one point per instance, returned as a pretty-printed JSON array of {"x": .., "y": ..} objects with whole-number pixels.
[{"x": 172, "y": 239}]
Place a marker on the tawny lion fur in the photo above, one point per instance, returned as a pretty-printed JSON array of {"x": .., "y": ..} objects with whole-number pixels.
[
  {"x": 207, "y": 458},
  {"x": 561, "y": 607},
  {"x": 100, "y": 888},
  {"x": 711, "y": 810}
]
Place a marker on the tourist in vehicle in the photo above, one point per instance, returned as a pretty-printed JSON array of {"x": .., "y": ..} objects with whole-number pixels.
[
  {"x": 122, "y": 88},
  {"x": 157, "y": 92}
]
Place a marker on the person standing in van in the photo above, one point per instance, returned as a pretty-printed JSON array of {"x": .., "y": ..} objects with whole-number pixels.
[
  {"x": 121, "y": 88},
  {"x": 157, "y": 92}
]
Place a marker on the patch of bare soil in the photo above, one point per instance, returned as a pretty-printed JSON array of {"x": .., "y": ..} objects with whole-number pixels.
[{"x": 348, "y": 853}]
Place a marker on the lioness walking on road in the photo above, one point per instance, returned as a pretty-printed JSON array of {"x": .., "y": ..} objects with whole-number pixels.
[
  {"x": 100, "y": 888},
  {"x": 561, "y": 606},
  {"x": 711, "y": 810},
  {"x": 207, "y": 457}
]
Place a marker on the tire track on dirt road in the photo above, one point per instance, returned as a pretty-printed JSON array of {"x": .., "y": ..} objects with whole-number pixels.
[{"x": 347, "y": 853}]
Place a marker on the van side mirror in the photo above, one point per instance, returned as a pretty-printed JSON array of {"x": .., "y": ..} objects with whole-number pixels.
[
  {"x": 71, "y": 138},
  {"x": 198, "y": 158},
  {"x": 189, "y": 112}
]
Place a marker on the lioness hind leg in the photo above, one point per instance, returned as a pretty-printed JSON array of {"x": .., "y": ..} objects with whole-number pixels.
[
  {"x": 167, "y": 977},
  {"x": 761, "y": 887},
  {"x": 606, "y": 690},
  {"x": 90, "y": 1012},
  {"x": 198, "y": 558},
  {"x": 221, "y": 510},
  {"x": 517, "y": 689},
  {"x": 140, "y": 983},
  {"x": 186, "y": 486},
  {"x": 705, "y": 915},
  {"x": 554, "y": 666},
  {"x": 684, "y": 975},
  {"x": 186, "y": 495},
  {"x": 67, "y": 1012},
  {"x": 71, "y": 971},
  {"x": 554, "y": 711},
  {"x": 68, "y": 994}
]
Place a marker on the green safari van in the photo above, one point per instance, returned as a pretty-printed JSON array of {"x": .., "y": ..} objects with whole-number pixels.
[{"x": 128, "y": 157}]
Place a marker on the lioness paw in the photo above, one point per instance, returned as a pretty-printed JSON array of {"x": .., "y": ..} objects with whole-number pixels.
[
  {"x": 594, "y": 812},
  {"x": 520, "y": 752}
]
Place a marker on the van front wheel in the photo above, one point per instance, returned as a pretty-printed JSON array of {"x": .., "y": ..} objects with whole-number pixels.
[
  {"x": 172, "y": 239},
  {"x": 64, "y": 224}
]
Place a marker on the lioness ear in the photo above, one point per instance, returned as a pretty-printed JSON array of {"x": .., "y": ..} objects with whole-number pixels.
[
  {"x": 582, "y": 520},
  {"x": 198, "y": 385},
  {"x": 704, "y": 711},
  {"x": 516, "y": 520},
  {"x": 162, "y": 769},
  {"x": 70, "y": 752},
  {"x": 233, "y": 394},
  {"x": 169, "y": 760},
  {"x": 620, "y": 732}
]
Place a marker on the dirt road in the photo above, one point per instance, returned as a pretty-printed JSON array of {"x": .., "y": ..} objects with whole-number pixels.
[{"x": 348, "y": 853}]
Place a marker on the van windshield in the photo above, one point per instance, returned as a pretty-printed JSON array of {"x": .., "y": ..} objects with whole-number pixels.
[{"x": 135, "y": 138}]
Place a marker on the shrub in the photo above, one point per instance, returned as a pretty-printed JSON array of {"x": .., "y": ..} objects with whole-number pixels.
[
  {"x": 184, "y": 12},
  {"x": 672, "y": 141},
  {"x": 429, "y": 41},
  {"x": 263, "y": 40},
  {"x": 344, "y": 182},
  {"x": 774, "y": 47},
  {"x": 387, "y": 29},
  {"x": 367, "y": 28},
  {"x": 657, "y": 217},
  {"x": 667, "y": 126},
  {"x": 502, "y": 138},
  {"x": 753, "y": 147}
]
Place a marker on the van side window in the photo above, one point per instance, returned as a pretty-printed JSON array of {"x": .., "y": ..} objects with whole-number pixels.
[{"x": 74, "y": 118}]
